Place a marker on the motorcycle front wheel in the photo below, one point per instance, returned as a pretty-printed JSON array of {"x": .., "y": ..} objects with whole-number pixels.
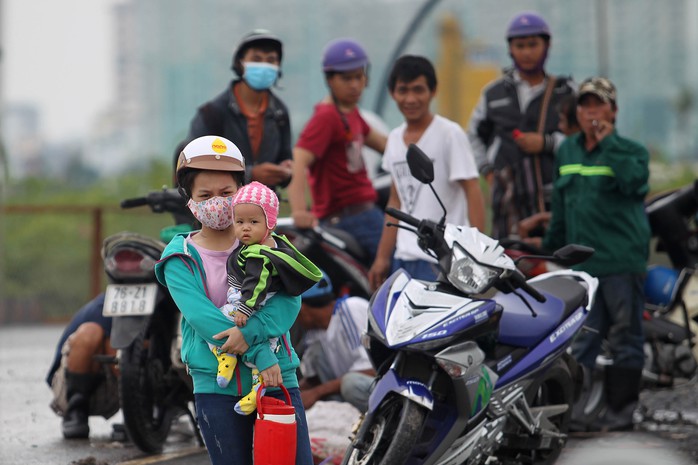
[
  {"x": 147, "y": 414},
  {"x": 389, "y": 439}
]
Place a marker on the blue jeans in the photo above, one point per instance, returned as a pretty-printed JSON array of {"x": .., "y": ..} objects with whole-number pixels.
[
  {"x": 229, "y": 436},
  {"x": 617, "y": 316},
  {"x": 418, "y": 269},
  {"x": 366, "y": 227},
  {"x": 356, "y": 389}
]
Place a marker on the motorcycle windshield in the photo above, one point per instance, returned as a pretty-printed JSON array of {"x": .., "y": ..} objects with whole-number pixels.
[{"x": 409, "y": 311}]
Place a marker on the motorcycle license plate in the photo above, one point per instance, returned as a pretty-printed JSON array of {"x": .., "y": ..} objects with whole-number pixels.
[{"x": 129, "y": 299}]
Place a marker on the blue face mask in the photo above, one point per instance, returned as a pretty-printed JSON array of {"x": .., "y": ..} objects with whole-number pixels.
[{"x": 260, "y": 76}]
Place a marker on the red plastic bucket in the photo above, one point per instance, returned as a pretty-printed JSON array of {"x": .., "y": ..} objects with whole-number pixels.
[{"x": 275, "y": 430}]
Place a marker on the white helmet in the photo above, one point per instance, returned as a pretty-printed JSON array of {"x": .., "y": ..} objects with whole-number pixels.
[{"x": 210, "y": 153}]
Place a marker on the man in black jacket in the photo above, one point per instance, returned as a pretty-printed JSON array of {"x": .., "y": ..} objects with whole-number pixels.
[
  {"x": 248, "y": 113},
  {"x": 514, "y": 128}
]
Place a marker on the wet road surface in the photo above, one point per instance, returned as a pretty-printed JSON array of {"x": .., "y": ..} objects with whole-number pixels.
[{"x": 30, "y": 432}]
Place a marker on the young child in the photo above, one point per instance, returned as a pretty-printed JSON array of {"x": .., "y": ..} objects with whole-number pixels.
[{"x": 262, "y": 264}]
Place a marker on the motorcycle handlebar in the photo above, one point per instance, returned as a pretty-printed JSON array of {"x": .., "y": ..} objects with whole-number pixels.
[
  {"x": 521, "y": 282},
  {"x": 132, "y": 203},
  {"x": 412, "y": 221},
  {"x": 165, "y": 200}
]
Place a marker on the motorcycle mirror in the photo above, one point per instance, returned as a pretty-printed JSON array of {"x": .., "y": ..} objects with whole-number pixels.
[
  {"x": 422, "y": 169},
  {"x": 420, "y": 165},
  {"x": 571, "y": 254}
]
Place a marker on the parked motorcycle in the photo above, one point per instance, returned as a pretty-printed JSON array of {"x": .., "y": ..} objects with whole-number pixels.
[
  {"x": 154, "y": 388},
  {"x": 672, "y": 292},
  {"x": 670, "y": 347},
  {"x": 472, "y": 368},
  {"x": 334, "y": 251}
]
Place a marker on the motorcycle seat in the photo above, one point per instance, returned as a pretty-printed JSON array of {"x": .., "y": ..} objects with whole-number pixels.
[
  {"x": 352, "y": 245},
  {"x": 519, "y": 328}
]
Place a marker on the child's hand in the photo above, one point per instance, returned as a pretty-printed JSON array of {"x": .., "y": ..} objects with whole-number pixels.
[{"x": 240, "y": 319}]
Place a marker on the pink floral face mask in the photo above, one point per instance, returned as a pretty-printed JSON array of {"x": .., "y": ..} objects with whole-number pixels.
[{"x": 215, "y": 213}]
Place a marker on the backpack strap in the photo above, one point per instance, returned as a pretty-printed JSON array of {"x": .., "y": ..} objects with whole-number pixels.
[{"x": 541, "y": 130}]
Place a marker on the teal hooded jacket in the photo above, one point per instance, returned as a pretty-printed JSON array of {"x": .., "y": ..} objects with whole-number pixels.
[{"x": 182, "y": 271}]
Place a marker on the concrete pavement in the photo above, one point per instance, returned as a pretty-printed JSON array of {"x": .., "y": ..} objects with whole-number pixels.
[{"x": 30, "y": 432}]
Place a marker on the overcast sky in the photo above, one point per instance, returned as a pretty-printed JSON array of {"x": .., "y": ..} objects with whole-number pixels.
[{"x": 56, "y": 54}]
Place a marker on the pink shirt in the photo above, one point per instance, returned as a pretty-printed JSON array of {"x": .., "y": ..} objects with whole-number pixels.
[{"x": 215, "y": 268}]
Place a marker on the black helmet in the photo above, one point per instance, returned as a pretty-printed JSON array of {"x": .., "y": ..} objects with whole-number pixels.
[{"x": 261, "y": 37}]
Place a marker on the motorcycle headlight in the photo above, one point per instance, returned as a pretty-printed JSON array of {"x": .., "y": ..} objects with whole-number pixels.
[{"x": 468, "y": 275}]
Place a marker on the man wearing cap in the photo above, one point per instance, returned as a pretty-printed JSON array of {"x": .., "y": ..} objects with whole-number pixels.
[
  {"x": 513, "y": 129},
  {"x": 248, "y": 113},
  {"x": 328, "y": 157},
  {"x": 598, "y": 201}
]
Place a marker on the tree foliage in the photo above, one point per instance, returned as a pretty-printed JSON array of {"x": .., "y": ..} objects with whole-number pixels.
[
  {"x": 45, "y": 263},
  {"x": 45, "y": 257}
]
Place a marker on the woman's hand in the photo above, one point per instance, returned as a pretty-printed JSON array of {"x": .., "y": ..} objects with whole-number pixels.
[
  {"x": 272, "y": 376},
  {"x": 235, "y": 344}
]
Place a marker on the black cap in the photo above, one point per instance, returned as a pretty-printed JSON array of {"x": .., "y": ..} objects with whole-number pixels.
[{"x": 249, "y": 39}]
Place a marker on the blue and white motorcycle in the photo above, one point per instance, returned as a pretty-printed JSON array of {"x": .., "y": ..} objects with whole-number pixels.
[{"x": 472, "y": 368}]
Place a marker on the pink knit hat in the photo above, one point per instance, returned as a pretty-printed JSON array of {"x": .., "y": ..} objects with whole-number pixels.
[{"x": 257, "y": 193}]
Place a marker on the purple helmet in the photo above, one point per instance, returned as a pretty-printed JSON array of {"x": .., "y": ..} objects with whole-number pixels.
[
  {"x": 527, "y": 24},
  {"x": 343, "y": 55}
]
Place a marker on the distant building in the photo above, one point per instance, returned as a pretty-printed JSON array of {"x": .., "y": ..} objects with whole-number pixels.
[
  {"x": 649, "y": 49},
  {"x": 169, "y": 64},
  {"x": 22, "y": 139},
  {"x": 463, "y": 69}
]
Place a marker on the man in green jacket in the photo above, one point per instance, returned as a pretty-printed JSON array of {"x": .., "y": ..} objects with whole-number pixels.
[{"x": 598, "y": 200}]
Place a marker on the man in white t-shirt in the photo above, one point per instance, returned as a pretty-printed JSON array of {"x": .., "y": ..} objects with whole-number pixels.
[
  {"x": 412, "y": 85},
  {"x": 335, "y": 366}
]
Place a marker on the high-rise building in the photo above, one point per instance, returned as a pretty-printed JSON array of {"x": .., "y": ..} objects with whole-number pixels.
[
  {"x": 22, "y": 141},
  {"x": 173, "y": 55}
]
